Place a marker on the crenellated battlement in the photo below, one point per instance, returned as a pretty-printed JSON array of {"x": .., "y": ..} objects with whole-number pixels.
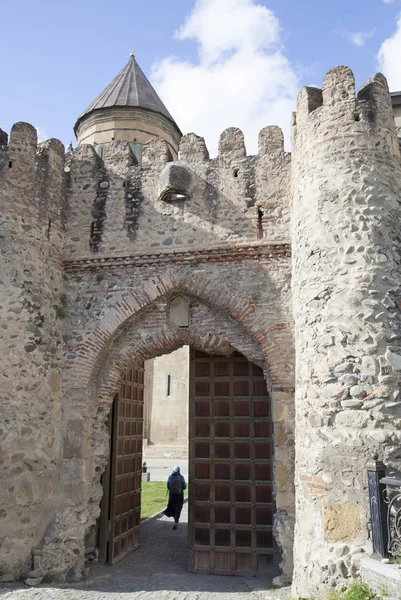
[
  {"x": 193, "y": 149},
  {"x": 115, "y": 205},
  {"x": 346, "y": 190},
  {"x": 339, "y": 110},
  {"x": 33, "y": 176},
  {"x": 97, "y": 244}
]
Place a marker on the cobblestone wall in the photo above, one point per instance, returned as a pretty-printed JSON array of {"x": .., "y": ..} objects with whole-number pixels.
[
  {"x": 118, "y": 315},
  {"x": 31, "y": 203},
  {"x": 117, "y": 207},
  {"x": 347, "y": 301},
  {"x": 130, "y": 245},
  {"x": 93, "y": 252}
]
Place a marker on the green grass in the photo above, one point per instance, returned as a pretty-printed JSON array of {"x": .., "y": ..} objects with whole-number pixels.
[
  {"x": 354, "y": 591},
  {"x": 154, "y": 498},
  {"x": 358, "y": 591}
]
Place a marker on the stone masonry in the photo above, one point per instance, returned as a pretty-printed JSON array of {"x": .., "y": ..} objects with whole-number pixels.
[
  {"x": 346, "y": 283},
  {"x": 95, "y": 250}
]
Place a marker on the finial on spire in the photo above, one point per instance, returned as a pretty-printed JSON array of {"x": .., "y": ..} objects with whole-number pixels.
[{"x": 132, "y": 53}]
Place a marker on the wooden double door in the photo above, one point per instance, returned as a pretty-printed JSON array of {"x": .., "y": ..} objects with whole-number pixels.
[{"x": 230, "y": 468}]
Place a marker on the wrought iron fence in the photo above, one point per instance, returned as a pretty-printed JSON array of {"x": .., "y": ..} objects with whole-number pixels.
[
  {"x": 392, "y": 498},
  {"x": 385, "y": 509}
]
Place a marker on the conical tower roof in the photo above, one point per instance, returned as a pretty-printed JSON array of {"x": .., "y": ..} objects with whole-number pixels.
[{"x": 130, "y": 88}]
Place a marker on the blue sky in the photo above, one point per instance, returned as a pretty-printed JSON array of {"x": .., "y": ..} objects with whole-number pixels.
[{"x": 215, "y": 63}]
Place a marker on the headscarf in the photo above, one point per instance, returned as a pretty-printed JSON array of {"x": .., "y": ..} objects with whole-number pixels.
[{"x": 176, "y": 470}]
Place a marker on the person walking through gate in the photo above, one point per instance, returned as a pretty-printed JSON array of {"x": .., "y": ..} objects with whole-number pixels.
[{"x": 176, "y": 486}]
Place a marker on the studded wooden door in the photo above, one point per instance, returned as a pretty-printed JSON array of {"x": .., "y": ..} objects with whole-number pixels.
[
  {"x": 231, "y": 507},
  {"x": 124, "y": 479}
]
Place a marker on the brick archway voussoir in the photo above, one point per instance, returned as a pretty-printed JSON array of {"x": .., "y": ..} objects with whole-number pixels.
[
  {"x": 157, "y": 346},
  {"x": 247, "y": 313}
]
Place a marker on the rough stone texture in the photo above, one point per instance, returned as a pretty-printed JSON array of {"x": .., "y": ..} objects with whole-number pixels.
[
  {"x": 231, "y": 198},
  {"x": 31, "y": 239},
  {"x": 93, "y": 256},
  {"x": 346, "y": 181},
  {"x": 341, "y": 522},
  {"x": 127, "y": 256}
]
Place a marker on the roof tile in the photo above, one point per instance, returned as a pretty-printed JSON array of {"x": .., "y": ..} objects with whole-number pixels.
[{"x": 129, "y": 88}]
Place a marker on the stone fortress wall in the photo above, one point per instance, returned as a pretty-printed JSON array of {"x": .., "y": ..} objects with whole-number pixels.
[
  {"x": 396, "y": 102},
  {"x": 347, "y": 301},
  {"x": 119, "y": 290},
  {"x": 93, "y": 257},
  {"x": 117, "y": 280},
  {"x": 32, "y": 201},
  {"x": 116, "y": 206}
]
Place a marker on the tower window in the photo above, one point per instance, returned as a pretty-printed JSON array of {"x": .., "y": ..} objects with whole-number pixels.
[{"x": 168, "y": 385}]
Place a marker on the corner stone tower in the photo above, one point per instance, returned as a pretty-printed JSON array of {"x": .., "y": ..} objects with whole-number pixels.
[
  {"x": 346, "y": 180},
  {"x": 128, "y": 109}
]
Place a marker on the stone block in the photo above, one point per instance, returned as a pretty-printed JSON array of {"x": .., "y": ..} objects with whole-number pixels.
[
  {"x": 280, "y": 411},
  {"x": 307, "y": 521},
  {"x": 282, "y": 476},
  {"x": 74, "y": 440},
  {"x": 280, "y": 433},
  {"x": 179, "y": 312},
  {"x": 352, "y": 418},
  {"x": 341, "y": 521}
]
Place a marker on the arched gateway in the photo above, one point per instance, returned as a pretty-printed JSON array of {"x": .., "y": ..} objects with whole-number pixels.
[
  {"x": 231, "y": 505},
  {"x": 232, "y": 515},
  {"x": 137, "y": 243}
]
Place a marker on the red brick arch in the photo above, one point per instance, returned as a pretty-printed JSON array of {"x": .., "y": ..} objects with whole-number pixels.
[
  {"x": 274, "y": 338},
  {"x": 126, "y": 335},
  {"x": 148, "y": 343}
]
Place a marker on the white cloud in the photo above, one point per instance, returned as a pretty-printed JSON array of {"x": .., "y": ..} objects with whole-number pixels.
[
  {"x": 358, "y": 38},
  {"x": 42, "y": 135},
  {"x": 241, "y": 76},
  {"x": 389, "y": 58},
  {"x": 388, "y": 1}
]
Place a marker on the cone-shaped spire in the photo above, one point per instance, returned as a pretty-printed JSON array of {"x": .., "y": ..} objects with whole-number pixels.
[
  {"x": 129, "y": 88},
  {"x": 129, "y": 109}
]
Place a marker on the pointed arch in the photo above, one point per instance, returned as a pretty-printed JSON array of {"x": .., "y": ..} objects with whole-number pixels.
[{"x": 273, "y": 335}]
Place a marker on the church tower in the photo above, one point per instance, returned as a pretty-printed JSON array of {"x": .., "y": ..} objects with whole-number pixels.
[{"x": 128, "y": 109}]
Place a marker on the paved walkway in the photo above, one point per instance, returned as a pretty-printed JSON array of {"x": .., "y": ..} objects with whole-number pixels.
[
  {"x": 157, "y": 571},
  {"x": 161, "y": 468}
]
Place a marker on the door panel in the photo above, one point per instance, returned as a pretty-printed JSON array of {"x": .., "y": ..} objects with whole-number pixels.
[
  {"x": 231, "y": 504},
  {"x": 124, "y": 480}
]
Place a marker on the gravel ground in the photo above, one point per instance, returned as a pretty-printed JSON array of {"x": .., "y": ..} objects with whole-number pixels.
[{"x": 157, "y": 571}]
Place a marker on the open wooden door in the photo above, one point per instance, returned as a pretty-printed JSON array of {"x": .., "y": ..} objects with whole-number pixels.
[
  {"x": 230, "y": 476},
  {"x": 121, "y": 504}
]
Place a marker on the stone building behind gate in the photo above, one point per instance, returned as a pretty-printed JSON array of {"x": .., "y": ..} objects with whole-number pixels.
[{"x": 281, "y": 273}]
